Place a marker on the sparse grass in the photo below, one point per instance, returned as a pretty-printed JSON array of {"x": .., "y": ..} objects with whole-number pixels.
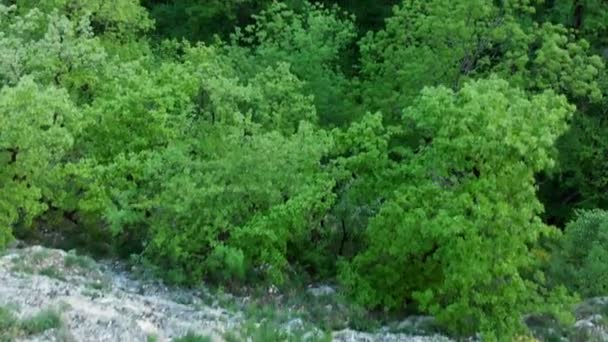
[
  {"x": 52, "y": 272},
  {"x": 11, "y": 328},
  {"x": 41, "y": 255},
  {"x": 73, "y": 260},
  {"x": 90, "y": 293},
  {"x": 192, "y": 337},
  {"x": 99, "y": 286},
  {"x": 152, "y": 338},
  {"x": 329, "y": 313},
  {"x": 323, "y": 313},
  {"x": 266, "y": 315},
  {"x": 41, "y": 322},
  {"x": 279, "y": 321},
  {"x": 605, "y": 321},
  {"x": 546, "y": 328},
  {"x": 586, "y": 336},
  {"x": 181, "y": 298},
  {"x": 268, "y": 331},
  {"x": 604, "y": 310},
  {"x": 264, "y": 332},
  {"x": 7, "y": 324},
  {"x": 21, "y": 266}
]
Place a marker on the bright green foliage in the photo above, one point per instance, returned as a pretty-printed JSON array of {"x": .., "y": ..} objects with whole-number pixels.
[
  {"x": 455, "y": 235},
  {"x": 116, "y": 18},
  {"x": 560, "y": 62},
  {"x": 364, "y": 173},
  {"x": 283, "y": 152},
  {"x": 48, "y": 47},
  {"x": 210, "y": 155},
  {"x": 449, "y": 36},
  {"x": 280, "y": 102},
  {"x": 256, "y": 213},
  {"x": 116, "y": 25},
  {"x": 137, "y": 108},
  {"x": 581, "y": 261},
  {"x": 311, "y": 41},
  {"x": 37, "y": 129},
  {"x": 462, "y": 39}
]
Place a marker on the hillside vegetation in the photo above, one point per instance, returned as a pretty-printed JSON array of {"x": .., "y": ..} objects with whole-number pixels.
[{"x": 446, "y": 158}]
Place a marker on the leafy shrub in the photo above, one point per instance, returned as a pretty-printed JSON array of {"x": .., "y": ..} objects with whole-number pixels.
[
  {"x": 581, "y": 261},
  {"x": 225, "y": 264},
  {"x": 215, "y": 183},
  {"x": 311, "y": 40},
  {"x": 455, "y": 235},
  {"x": 39, "y": 125},
  {"x": 216, "y": 160}
]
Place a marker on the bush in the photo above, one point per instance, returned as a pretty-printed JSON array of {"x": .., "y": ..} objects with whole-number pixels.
[
  {"x": 39, "y": 124},
  {"x": 581, "y": 262},
  {"x": 235, "y": 187},
  {"x": 454, "y": 237}
]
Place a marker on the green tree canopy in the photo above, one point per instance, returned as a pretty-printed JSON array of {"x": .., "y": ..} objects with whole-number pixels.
[{"x": 454, "y": 235}]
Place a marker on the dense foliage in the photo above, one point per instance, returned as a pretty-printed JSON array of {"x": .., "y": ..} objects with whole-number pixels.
[
  {"x": 582, "y": 260},
  {"x": 466, "y": 198},
  {"x": 427, "y": 162}
]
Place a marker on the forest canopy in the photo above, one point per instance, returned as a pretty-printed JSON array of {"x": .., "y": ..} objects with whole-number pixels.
[{"x": 433, "y": 156}]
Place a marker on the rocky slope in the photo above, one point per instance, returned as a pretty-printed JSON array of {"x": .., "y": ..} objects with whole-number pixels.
[
  {"x": 103, "y": 302},
  {"x": 51, "y": 295}
]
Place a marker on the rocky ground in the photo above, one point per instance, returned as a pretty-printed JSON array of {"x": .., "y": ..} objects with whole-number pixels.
[
  {"x": 67, "y": 297},
  {"x": 51, "y": 295}
]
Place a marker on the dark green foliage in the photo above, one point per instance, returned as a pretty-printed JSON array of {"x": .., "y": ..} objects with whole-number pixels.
[
  {"x": 581, "y": 260},
  {"x": 200, "y": 21},
  {"x": 370, "y": 15},
  {"x": 582, "y": 174}
]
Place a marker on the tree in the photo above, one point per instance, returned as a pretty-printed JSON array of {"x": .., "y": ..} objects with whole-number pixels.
[
  {"x": 311, "y": 40},
  {"x": 580, "y": 261},
  {"x": 51, "y": 48},
  {"x": 533, "y": 46},
  {"x": 147, "y": 184},
  {"x": 113, "y": 19},
  {"x": 200, "y": 21},
  {"x": 588, "y": 18},
  {"x": 456, "y": 232},
  {"x": 429, "y": 43},
  {"x": 38, "y": 124}
]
